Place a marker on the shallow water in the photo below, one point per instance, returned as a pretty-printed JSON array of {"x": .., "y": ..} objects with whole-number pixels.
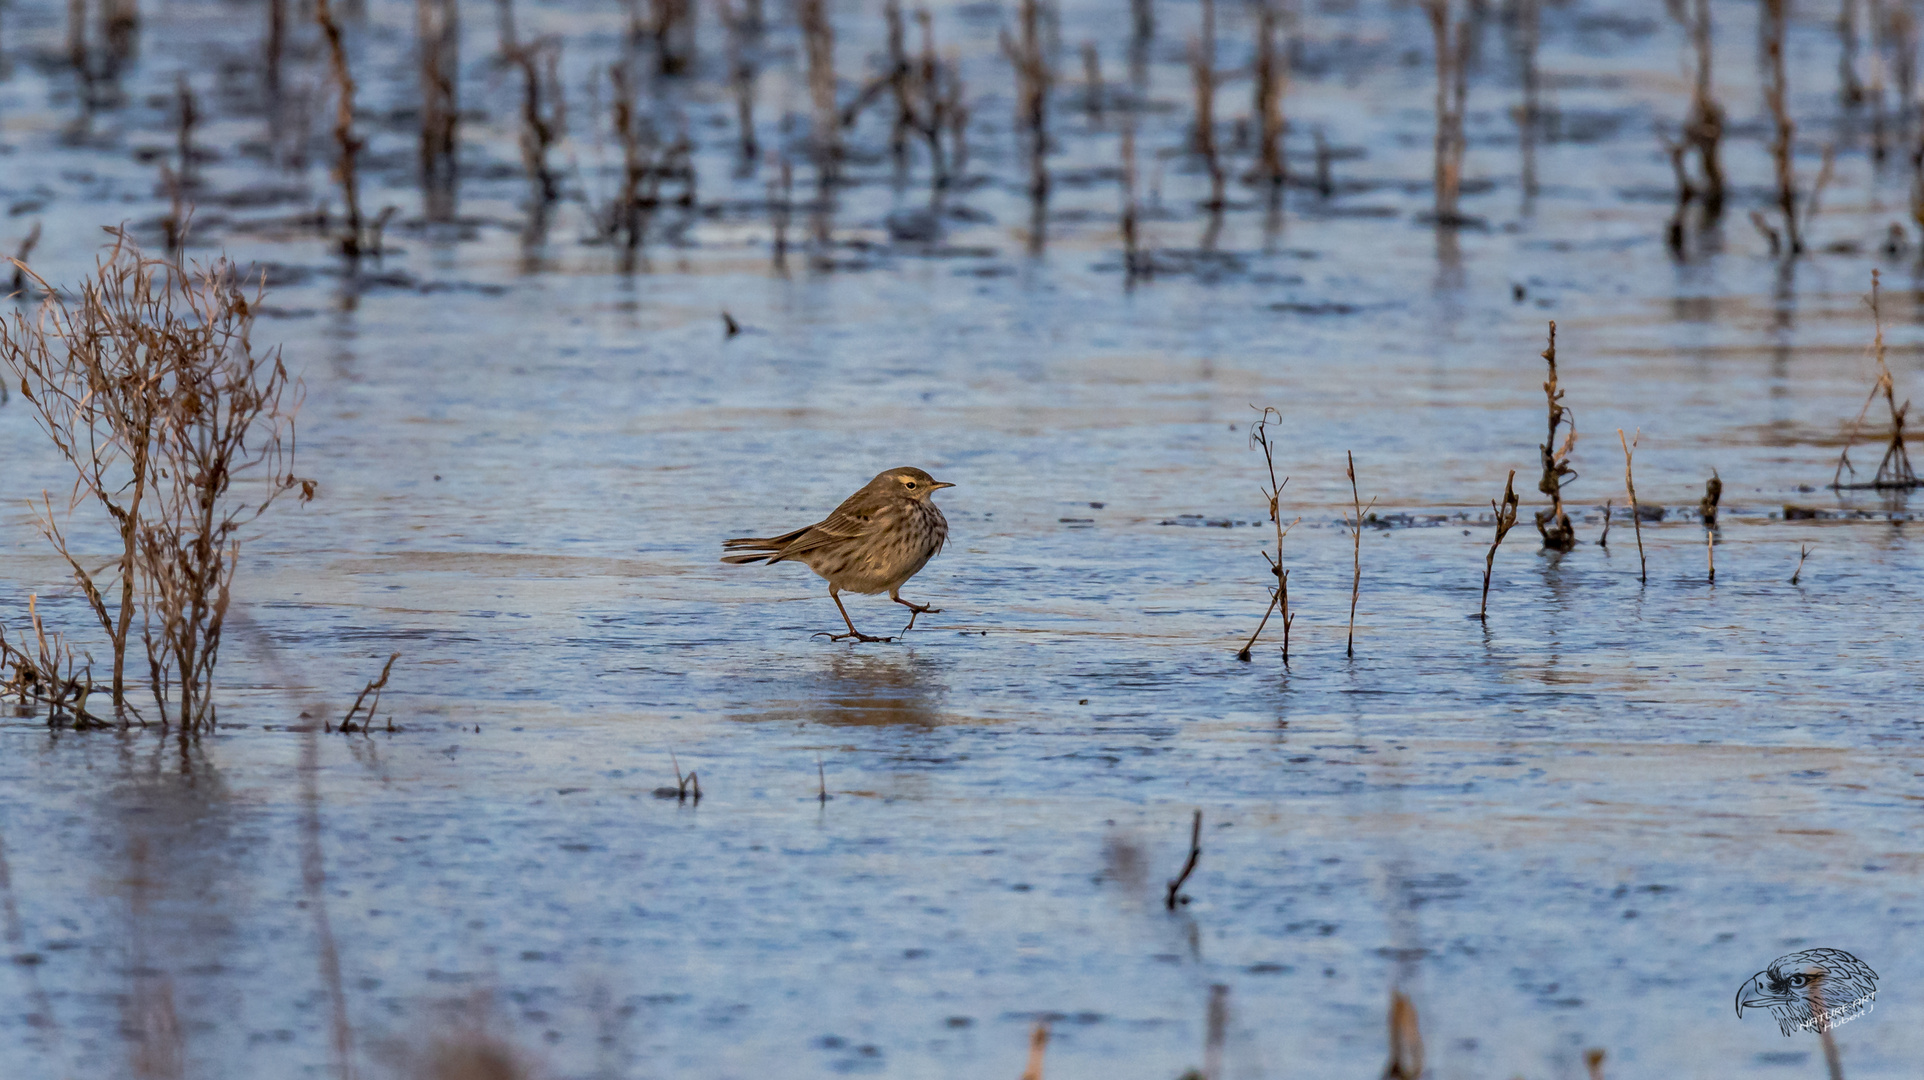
[{"x": 1581, "y": 824}]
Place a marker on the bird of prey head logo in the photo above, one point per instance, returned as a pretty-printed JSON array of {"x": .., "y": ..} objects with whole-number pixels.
[{"x": 1813, "y": 990}]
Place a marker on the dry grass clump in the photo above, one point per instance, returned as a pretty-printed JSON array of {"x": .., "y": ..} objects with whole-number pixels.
[
  {"x": 147, "y": 382},
  {"x": 47, "y": 676}
]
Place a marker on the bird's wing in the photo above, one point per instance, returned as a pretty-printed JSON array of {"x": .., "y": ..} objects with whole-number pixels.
[
  {"x": 849, "y": 521},
  {"x": 859, "y": 515}
]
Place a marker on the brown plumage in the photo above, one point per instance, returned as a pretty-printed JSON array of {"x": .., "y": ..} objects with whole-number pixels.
[{"x": 879, "y": 537}]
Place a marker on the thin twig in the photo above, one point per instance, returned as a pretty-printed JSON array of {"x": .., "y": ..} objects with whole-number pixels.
[
  {"x": 373, "y": 687},
  {"x": 1803, "y": 552},
  {"x": 1505, "y": 520},
  {"x": 1195, "y": 852},
  {"x": 1630, "y": 489},
  {"x": 1356, "y": 581}
]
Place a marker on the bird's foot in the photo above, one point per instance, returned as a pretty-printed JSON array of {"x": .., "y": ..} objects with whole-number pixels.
[
  {"x": 852, "y": 635},
  {"x": 914, "y": 610}
]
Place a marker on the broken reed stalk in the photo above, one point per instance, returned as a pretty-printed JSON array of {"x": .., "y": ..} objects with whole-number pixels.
[
  {"x": 1710, "y": 552},
  {"x": 1272, "y": 79},
  {"x": 374, "y": 686},
  {"x": 1092, "y": 85},
  {"x": 17, "y": 287},
  {"x": 1452, "y": 89},
  {"x": 639, "y": 194},
  {"x": 1038, "y": 1043},
  {"x": 1034, "y": 78},
  {"x": 1803, "y": 552},
  {"x": 544, "y": 114},
  {"x": 818, "y": 40},
  {"x": 1603, "y": 541},
  {"x": 944, "y": 109},
  {"x": 744, "y": 27},
  {"x": 1850, "y": 89},
  {"x": 686, "y": 787},
  {"x": 821, "y": 780},
  {"x": 1188, "y": 867},
  {"x": 1703, "y": 130},
  {"x": 1505, "y": 513},
  {"x": 1202, "y": 74},
  {"x": 438, "y": 41},
  {"x": 1528, "y": 115},
  {"x": 1593, "y": 1062},
  {"x": 896, "y": 77},
  {"x": 1784, "y": 129},
  {"x": 1713, "y": 494},
  {"x": 674, "y": 36},
  {"x": 1894, "y": 469},
  {"x": 781, "y": 199},
  {"x": 1278, "y": 596},
  {"x": 348, "y": 144},
  {"x": 180, "y": 179},
  {"x": 1132, "y": 264},
  {"x": 276, "y": 48},
  {"x": 1554, "y": 523},
  {"x": 1356, "y": 581},
  {"x": 1406, "y": 1040},
  {"x": 1630, "y": 490}
]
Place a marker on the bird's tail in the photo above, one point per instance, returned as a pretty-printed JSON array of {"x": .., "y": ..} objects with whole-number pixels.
[{"x": 763, "y": 549}]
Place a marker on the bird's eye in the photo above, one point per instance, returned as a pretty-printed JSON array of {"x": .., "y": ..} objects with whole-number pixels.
[
  {"x": 911, "y": 484},
  {"x": 1799, "y": 979}
]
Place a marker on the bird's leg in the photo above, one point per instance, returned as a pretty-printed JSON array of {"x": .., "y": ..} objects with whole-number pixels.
[
  {"x": 914, "y": 609},
  {"x": 852, "y": 632}
]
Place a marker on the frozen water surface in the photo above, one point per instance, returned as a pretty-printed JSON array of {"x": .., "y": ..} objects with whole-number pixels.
[{"x": 1581, "y": 824}]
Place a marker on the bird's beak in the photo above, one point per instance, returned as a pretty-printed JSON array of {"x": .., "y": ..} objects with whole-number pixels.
[
  {"x": 1753, "y": 994},
  {"x": 940, "y": 484}
]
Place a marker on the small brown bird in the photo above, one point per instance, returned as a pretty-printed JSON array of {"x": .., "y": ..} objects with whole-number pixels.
[{"x": 879, "y": 537}]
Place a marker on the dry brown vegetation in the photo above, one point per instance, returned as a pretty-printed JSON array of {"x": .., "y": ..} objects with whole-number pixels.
[
  {"x": 1406, "y": 1040},
  {"x": 148, "y": 384},
  {"x": 354, "y": 241},
  {"x": 1454, "y": 40},
  {"x": 1630, "y": 491},
  {"x": 1505, "y": 513},
  {"x": 438, "y": 39},
  {"x": 1703, "y": 131},
  {"x": 1894, "y": 469},
  {"x": 1174, "y": 896},
  {"x": 1259, "y": 435},
  {"x": 1034, "y": 78},
  {"x": 1553, "y": 522},
  {"x": 1356, "y": 533}
]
